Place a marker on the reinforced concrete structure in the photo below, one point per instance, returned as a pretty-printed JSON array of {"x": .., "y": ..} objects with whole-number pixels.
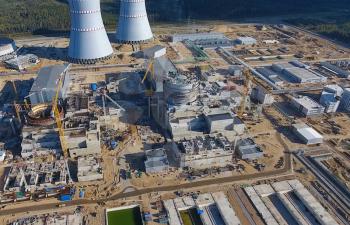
[
  {"x": 204, "y": 152},
  {"x": 7, "y": 48},
  {"x": 89, "y": 169},
  {"x": 156, "y": 161},
  {"x": 36, "y": 176},
  {"x": 133, "y": 24},
  {"x": 89, "y": 42}
]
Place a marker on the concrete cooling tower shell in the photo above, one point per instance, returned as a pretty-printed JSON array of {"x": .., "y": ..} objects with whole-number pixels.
[
  {"x": 89, "y": 42},
  {"x": 133, "y": 24}
]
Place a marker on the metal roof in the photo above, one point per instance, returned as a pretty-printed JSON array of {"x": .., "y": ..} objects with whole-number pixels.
[
  {"x": 48, "y": 77},
  {"x": 307, "y": 132},
  {"x": 5, "y": 41},
  {"x": 222, "y": 116}
]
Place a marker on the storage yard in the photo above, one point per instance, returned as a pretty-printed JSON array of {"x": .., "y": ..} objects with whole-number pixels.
[{"x": 231, "y": 124}]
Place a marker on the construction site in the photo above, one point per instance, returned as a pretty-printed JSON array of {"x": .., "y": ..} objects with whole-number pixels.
[{"x": 228, "y": 124}]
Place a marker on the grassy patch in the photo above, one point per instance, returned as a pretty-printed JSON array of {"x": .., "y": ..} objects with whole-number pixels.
[{"x": 125, "y": 217}]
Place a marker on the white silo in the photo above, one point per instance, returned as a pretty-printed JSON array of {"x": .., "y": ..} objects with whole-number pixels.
[
  {"x": 133, "y": 26},
  {"x": 89, "y": 42}
]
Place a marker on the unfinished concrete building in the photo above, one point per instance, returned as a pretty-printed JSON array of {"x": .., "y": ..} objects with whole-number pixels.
[
  {"x": 83, "y": 141},
  {"x": 40, "y": 142},
  {"x": 204, "y": 152},
  {"x": 247, "y": 149},
  {"x": 36, "y": 176},
  {"x": 89, "y": 169},
  {"x": 156, "y": 161}
]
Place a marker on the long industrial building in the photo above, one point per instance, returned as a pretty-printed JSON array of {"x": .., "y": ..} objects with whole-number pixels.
[
  {"x": 133, "y": 25},
  {"x": 208, "y": 209},
  {"x": 89, "y": 42},
  {"x": 288, "y": 202}
]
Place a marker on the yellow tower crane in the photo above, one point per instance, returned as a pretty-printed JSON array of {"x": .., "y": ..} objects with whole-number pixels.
[
  {"x": 150, "y": 68},
  {"x": 247, "y": 90},
  {"x": 58, "y": 119}
]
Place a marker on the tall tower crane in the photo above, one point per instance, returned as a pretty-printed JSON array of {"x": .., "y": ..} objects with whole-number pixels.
[
  {"x": 58, "y": 118},
  {"x": 247, "y": 90},
  {"x": 149, "y": 92}
]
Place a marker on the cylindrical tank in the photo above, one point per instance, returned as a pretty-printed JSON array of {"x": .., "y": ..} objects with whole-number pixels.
[
  {"x": 89, "y": 42},
  {"x": 133, "y": 24},
  {"x": 181, "y": 90}
]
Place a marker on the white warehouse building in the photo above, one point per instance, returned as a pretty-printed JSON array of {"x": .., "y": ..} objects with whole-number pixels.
[{"x": 308, "y": 135}]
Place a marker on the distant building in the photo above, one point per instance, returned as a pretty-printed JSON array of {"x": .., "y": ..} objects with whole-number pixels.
[
  {"x": 235, "y": 70},
  {"x": 271, "y": 75},
  {"x": 246, "y": 149},
  {"x": 262, "y": 96},
  {"x": 246, "y": 41},
  {"x": 22, "y": 62},
  {"x": 307, "y": 134},
  {"x": 154, "y": 52},
  {"x": 156, "y": 161},
  {"x": 45, "y": 85},
  {"x": 2, "y": 152},
  {"x": 7, "y": 48},
  {"x": 196, "y": 36},
  {"x": 345, "y": 100},
  {"x": 298, "y": 72},
  {"x": 307, "y": 106},
  {"x": 336, "y": 70},
  {"x": 330, "y": 98}
]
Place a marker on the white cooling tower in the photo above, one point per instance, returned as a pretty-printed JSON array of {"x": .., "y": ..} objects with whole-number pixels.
[
  {"x": 89, "y": 42},
  {"x": 133, "y": 24}
]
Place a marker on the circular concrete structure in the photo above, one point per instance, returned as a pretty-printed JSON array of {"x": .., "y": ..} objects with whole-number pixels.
[{"x": 42, "y": 115}]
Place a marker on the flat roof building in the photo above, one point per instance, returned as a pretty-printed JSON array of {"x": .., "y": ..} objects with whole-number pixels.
[
  {"x": 204, "y": 152},
  {"x": 308, "y": 135},
  {"x": 156, "y": 161},
  {"x": 247, "y": 149},
  {"x": 246, "y": 41},
  {"x": 307, "y": 106},
  {"x": 197, "y": 36}
]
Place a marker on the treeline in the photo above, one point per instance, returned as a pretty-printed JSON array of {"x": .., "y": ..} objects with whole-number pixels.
[
  {"x": 40, "y": 16},
  {"x": 339, "y": 29}
]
